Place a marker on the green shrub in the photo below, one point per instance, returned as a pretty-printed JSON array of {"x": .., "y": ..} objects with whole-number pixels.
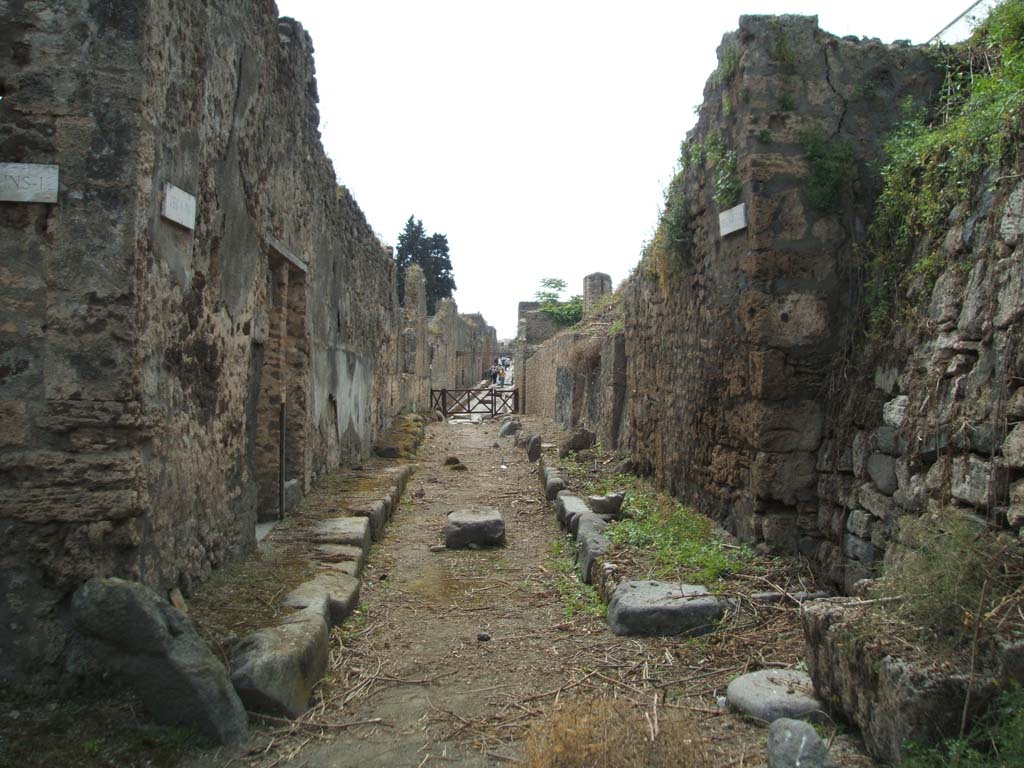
[
  {"x": 938, "y": 579},
  {"x": 832, "y": 170},
  {"x": 935, "y": 161},
  {"x": 996, "y": 740}
]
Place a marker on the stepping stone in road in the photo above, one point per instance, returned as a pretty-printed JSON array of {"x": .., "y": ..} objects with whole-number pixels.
[
  {"x": 770, "y": 694},
  {"x": 483, "y": 527},
  {"x": 658, "y": 608}
]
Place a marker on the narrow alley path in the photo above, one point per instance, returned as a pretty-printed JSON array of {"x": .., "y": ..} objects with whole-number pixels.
[
  {"x": 453, "y": 655},
  {"x": 425, "y": 612}
]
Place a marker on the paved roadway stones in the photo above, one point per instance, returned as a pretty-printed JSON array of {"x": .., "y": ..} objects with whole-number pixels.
[
  {"x": 655, "y": 608},
  {"x": 484, "y": 527},
  {"x": 770, "y": 694}
]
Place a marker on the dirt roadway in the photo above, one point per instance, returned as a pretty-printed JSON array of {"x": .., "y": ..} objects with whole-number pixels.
[{"x": 413, "y": 665}]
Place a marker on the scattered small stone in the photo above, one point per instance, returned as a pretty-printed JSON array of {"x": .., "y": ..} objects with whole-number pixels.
[
  {"x": 495, "y": 445},
  {"x": 460, "y": 467},
  {"x": 451, "y": 461},
  {"x": 579, "y": 440},
  {"x": 793, "y": 743},
  {"x": 770, "y": 694},
  {"x": 177, "y": 600},
  {"x": 438, "y": 548},
  {"x": 483, "y": 637},
  {"x": 609, "y": 504},
  {"x": 533, "y": 448},
  {"x": 383, "y": 577}
]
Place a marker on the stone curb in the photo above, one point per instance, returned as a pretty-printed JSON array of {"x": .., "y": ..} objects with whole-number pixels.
[{"x": 276, "y": 668}]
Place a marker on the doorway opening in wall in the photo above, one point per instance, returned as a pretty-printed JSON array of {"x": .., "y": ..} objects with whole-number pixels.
[{"x": 281, "y": 416}]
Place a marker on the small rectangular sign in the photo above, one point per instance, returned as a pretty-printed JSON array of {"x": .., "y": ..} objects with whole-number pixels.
[
  {"x": 28, "y": 183},
  {"x": 732, "y": 220},
  {"x": 179, "y": 206}
]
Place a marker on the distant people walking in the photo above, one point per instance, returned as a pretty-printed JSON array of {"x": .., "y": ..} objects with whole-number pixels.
[
  {"x": 501, "y": 377},
  {"x": 492, "y": 373}
]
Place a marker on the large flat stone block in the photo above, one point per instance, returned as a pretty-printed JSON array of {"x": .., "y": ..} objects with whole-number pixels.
[
  {"x": 770, "y": 694},
  {"x": 656, "y": 608},
  {"x": 130, "y": 631},
  {"x": 275, "y": 669},
  {"x": 568, "y": 506},
  {"x": 354, "y": 531},
  {"x": 485, "y": 527},
  {"x": 334, "y": 594}
]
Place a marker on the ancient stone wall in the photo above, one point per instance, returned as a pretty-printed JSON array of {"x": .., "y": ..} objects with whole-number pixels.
[
  {"x": 596, "y": 287},
  {"x": 144, "y": 363},
  {"x": 933, "y": 411},
  {"x": 730, "y": 346},
  {"x": 578, "y": 378},
  {"x": 461, "y": 347},
  {"x": 534, "y": 328}
]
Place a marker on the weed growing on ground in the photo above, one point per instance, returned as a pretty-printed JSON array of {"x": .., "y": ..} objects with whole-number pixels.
[
  {"x": 936, "y": 583},
  {"x": 996, "y": 740},
  {"x": 607, "y": 734},
  {"x": 680, "y": 542},
  {"x": 580, "y": 599}
]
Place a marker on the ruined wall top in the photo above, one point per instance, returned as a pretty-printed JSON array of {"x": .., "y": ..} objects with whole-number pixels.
[{"x": 595, "y": 287}]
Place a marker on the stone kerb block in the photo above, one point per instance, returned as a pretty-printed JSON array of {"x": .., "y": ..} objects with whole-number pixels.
[
  {"x": 482, "y": 527},
  {"x": 655, "y": 608},
  {"x": 275, "y": 669},
  {"x": 354, "y": 531},
  {"x": 533, "y": 449},
  {"x": 130, "y": 631},
  {"x": 591, "y": 542},
  {"x": 333, "y": 594},
  {"x": 610, "y": 504},
  {"x": 554, "y": 483},
  {"x": 770, "y": 694},
  {"x": 568, "y": 506}
]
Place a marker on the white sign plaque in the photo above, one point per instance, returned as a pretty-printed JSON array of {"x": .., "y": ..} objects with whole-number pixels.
[
  {"x": 179, "y": 206},
  {"x": 732, "y": 220},
  {"x": 28, "y": 183}
]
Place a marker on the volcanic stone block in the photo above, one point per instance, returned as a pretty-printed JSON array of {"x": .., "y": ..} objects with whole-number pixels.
[
  {"x": 275, "y": 669},
  {"x": 485, "y": 527},
  {"x": 554, "y": 484},
  {"x": 333, "y": 594},
  {"x": 591, "y": 541},
  {"x": 796, "y": 743},
  {"x": 533, "y": 448},
  {"x": 509, "y": 428},
  {"x": 133, "y": 633},
  {"x": 377, "y": 513},
  {"x": 342, "y": 553},
  {"x": 769, "y": 694},
  {"x": 655, "y": 608},
  {"x": 568, "y": 506},
  {"x": 609, "y": 504},
  {"x": 354, "y": 531}
]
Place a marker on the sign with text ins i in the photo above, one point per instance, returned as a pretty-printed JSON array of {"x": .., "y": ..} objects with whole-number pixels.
[
  {"x": 732, "y": 220},
  {"x": 28, "y": 183},
  {"x": 179, "y": 206}
]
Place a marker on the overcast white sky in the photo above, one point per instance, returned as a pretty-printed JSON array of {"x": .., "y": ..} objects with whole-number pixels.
[{"x": 537, "y": 135}]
